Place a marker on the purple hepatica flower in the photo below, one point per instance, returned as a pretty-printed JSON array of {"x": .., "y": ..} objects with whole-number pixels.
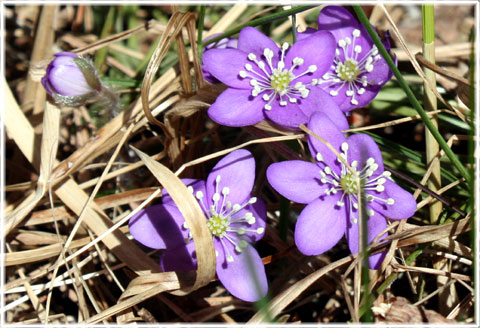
[
  {"x": 71, "y": 79},
  {"x": 264, "y": 79},
  {"x": 358, "y": 70},
  {"x": 330, "y": 190},
  {"x": 225, "y": 43},
  {"x": 235, "y": 219}
]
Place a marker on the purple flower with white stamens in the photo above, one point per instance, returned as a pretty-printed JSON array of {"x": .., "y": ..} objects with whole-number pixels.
[
  {"x": 225, "y": 43},
  {"x": 265, "y": 80},
  {"x": 329, "y": 188},
  {"x": 235, "y": 219},
  {"x": 358, "y": 71},
  {"x": 71, "y": 79}
]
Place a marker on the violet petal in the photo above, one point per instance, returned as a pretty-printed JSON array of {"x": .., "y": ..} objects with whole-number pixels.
[
  {"x": 250, "y": 40},
  {"x": 404, "y": 205},
  {"x": 298, "y": 181},
  {"x": 225, "y": 65},
  {"x": 375, "y": 225},
  {"x": 361, "y": 148},
  {"x": 237, "y": 173},
  {"x": 245, "y": 277},
  {"x": 318, "y": 49},
  {"x": 236, "y": 107},
  {"x": 159, "y": 227},
  {"x": 320, "y": 225},
  {"x": 68, "y": 81},
  {"x": 305, "y": 34},
  {"x": 182, "y": 258},
  {"x": 259, "y": 211},
  {"x": 336, "y": 19},
  {"x": 323, "y": 127},
  {"x": 319, "y": 101},
  {"x": 290, "y": 115},
  {"x": 196, "y": 184}
]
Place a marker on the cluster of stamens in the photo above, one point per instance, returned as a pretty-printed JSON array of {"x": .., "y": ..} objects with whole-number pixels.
[
  {"x": 222, "y": 221},
  {"x": 352, "y": 179},
  {"x": 351, "y": 69},
  {"x": 276, "y": 81}
]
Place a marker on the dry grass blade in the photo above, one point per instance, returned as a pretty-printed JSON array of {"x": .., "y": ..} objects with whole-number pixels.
[
  {"x": 19, "y": 128},
  {"x": 229, "y": 150},
  {"x": 172, "y": 280},
  {"x": 124, "y": 305},
  {"x": 417, "y": 67},
  {"x": 126, "y": 250},
  {"x": 113, "y": 38},
  {"x": 442, "y": 71},
  {"x": 51, "y": 126},
  {"x": 97, "y": 187},
  {"x": 403, "y": 268},
  {"x": 395, "y": 122},
  {"x": 428, "y": 234},
  {"x": 70, "y": 256},
  {"x": 194, "y": 218},
  {"x": 177, "y": 22},
  {"x": 33, "y": 94},
  {"x": 40, "y": 253},
  {"x": 282, "y": 300}
]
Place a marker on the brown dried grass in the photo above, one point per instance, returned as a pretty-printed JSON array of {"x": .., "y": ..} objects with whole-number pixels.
[{"x": 92, "y": 242}]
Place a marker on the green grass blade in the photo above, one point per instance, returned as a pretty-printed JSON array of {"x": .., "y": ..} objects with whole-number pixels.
[
  {"x": 258, "y": 21},
  {"x": 364, "y": 20}
]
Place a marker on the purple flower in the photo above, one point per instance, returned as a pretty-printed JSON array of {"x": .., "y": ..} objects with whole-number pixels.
[
  {"x": 225, "y": 43},
  {"x": 71, "y": 79},
  {"x": 330, "y": 191},
  {"x": 358, "y": 71},
  {"x": 265, "y": 80},
  {"x": 235, "y": 219}
]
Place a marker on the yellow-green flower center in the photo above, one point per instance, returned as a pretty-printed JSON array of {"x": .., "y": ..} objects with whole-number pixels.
[
  {"x": 348, "y": 70},
  {"x": 218, "y": 225},
  {"x": 349, "y": 183},
  {"x": 280, "y": 80}
]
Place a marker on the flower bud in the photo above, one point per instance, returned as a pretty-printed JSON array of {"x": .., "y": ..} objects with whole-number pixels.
[{"x": 71, "y": 79}]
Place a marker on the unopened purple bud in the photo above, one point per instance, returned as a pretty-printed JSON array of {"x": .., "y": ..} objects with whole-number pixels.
[{"x": 71, "y": 79}]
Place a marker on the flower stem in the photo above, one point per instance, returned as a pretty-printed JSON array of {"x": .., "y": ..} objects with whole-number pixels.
[
  {"x": 258, "y": 21},
  {"x": 101, "y": 54},
  {"x": 448, "y": 151},
  {"x": 430, "y": 103},
  {"x": 471, "y": 154},
  {"x": 294, "y": 27},
  {"x": 201, "y": 18}
]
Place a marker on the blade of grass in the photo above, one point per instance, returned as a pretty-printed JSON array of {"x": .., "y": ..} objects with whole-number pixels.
[
  {"x": 201, "y": 22},
  {"x": 471, "y": 155},
  {"x": 436, "y": 134},
  {"x": 258, "y": 21},
  {"x": 294, "y": 27},
  {"x": 430, "y": 103},
  {"x": 447, "y": 297},
  {"x": 101, "y": 54}
]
